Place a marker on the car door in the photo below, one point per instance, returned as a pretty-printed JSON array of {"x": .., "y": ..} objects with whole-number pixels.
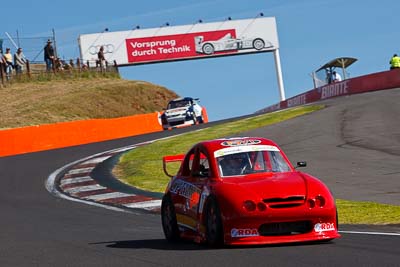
[{"x": 199, "y": 178}]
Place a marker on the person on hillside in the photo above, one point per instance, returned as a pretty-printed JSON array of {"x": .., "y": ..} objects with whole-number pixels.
[
  {"x": 49, "y": 55},
  {"x": 19, "y": 61},
  {"x": 394, "y": 62},
  {"x": 2, "y": 64},
  {"x": 101, "y": 58},
  {"x": 9, "y": 63}
]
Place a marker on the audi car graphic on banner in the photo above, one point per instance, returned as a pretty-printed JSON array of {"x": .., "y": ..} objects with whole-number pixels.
[{"x": 194, "y": 41}]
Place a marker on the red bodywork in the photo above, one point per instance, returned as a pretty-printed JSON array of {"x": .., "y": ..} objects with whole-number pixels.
[{"x": 258, "y": 208}]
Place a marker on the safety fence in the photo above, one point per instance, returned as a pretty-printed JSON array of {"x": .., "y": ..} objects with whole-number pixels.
[{"x": 58, "y": 68}]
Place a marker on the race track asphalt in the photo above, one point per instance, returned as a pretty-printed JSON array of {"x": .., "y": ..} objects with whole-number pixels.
[{"x": 352, "y": 145}]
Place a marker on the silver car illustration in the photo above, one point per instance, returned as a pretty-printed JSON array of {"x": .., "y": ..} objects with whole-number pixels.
[{"x": 229, "y": 43}]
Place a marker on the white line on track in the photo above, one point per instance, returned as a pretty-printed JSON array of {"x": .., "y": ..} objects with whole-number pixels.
[
  {"x": 50, "y": 186},
  {"x": 75, "y": 180},
  {"x": 81, "y": 170},
  {"x": 109, "y": 195},
  {"x": 84, "y": 188},
  {"x": 144, "y": 204},
  {"x": 369, "y": 233},
  {"x": 97, "y": 160}
]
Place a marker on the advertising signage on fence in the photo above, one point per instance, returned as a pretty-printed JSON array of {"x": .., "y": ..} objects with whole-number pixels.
[{"x": 232, "y": 37}]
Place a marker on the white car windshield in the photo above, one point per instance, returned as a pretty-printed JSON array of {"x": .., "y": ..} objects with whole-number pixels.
[
  {"x": 178, "y": 104},
  {"x": 248, "y": 162}
]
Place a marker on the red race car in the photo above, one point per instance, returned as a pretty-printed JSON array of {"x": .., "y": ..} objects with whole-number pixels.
[{"x": 241, "y": 191}]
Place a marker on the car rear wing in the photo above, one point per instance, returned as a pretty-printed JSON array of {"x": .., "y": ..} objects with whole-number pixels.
[{"x": 169, "y": 159}]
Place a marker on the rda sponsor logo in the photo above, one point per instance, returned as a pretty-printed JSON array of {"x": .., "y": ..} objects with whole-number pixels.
[
  {"x": 324, "y": 227},
  {"x": 243, "y": 232},
  {"x": 335, "y": 89}
]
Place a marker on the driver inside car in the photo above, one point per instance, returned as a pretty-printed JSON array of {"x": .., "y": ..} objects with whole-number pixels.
[{"x": 233, "y": 164}]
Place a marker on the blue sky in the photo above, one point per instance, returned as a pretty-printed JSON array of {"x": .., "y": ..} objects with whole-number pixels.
[{"x": 310, "y": 33}]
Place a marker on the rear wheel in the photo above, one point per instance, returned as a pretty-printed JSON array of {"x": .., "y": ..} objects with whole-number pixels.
[
  {"x": 214, "y": 232},
  {"x": 168, "y": 219}
]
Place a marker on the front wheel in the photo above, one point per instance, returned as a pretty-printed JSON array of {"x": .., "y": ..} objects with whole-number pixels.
[
  {"x": 258, "y": 44},
  {"x": 214, "y": 232},
  {"x": 168, "y": 219}
]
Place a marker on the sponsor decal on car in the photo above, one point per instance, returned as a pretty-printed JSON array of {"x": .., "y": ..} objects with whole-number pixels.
[
  {"x": 244, "y": 232},
  {"x": 324, "y": 227},
  {"x": 246, "y": 148},
  {"x": 246, "y": 142},
  {"x": 184, "y": 189}
]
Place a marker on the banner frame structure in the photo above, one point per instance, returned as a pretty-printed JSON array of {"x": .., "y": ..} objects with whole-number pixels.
[{"x": 185, "y": 42}]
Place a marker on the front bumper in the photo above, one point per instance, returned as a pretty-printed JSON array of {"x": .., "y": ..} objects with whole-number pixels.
[{"x": 287, "y": 228}]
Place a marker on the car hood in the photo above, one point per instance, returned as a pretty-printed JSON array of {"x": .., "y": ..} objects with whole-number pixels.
[{"x": 273, "y": 186}]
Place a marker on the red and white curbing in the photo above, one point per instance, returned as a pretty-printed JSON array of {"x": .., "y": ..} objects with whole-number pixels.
[{"x": 77, "y": 185}]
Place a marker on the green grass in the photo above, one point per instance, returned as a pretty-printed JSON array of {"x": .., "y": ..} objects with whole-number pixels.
[
  {"x": 362, "y": 212},
  {"x": 142, "y": 167},
  {"x": 43, "y": 101}
]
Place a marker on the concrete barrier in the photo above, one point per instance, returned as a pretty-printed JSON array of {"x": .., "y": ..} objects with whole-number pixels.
[
  {"x": 372, "y": 82},
  {"x": 50, "y": 136}
]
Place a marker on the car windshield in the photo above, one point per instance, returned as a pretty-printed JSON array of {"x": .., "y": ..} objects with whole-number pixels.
[
  {"x": 178, "y": 104},
  {"x": 248, "y": 162}
]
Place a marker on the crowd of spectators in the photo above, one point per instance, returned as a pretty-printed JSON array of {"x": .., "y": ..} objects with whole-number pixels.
[
  {"x": 17, "y": 64},
  {"x": 9, "y": 62}
]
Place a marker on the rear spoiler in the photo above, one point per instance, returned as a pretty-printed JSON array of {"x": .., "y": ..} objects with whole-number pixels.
[{"x": 168, "y": 159}]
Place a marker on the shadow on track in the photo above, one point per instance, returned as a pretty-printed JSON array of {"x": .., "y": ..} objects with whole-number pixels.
[{"x": 162, "y": 244}]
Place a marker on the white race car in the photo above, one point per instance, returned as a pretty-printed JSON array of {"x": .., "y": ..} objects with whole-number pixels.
[
  {"x": 182, "y": 112},
  {"x": 229, "y": 43}
]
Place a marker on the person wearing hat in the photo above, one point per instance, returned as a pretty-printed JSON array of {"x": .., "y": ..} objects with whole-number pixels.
[
  {"x": 49, "y": 55},
  {"x": 19, "y": 61}
]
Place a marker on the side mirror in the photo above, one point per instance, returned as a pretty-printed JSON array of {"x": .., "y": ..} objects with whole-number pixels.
[{"x": 301, "y": 164}]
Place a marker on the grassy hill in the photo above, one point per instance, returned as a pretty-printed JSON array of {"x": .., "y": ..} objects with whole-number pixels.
[{"x": 43, "y": 102}]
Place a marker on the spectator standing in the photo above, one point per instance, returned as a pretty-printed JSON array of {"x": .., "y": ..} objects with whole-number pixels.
[
  {"x": 19, "y": 61},
  {"x": 329, "y": 76},
  {"x": 394, "y": 62},
  {"x": 9, "y": 63},
  {"x": 336, "y": 77},
  {"x": 101, "y": 58},
  {"x": 2, "y": 64},
  {"x": 49, "y": 55}
]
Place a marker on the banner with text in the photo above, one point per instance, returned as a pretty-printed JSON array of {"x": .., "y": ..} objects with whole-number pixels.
[{"x": 200, "y": 40}]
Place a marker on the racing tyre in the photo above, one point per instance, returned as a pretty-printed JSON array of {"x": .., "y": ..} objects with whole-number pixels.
[
  {"x": 194, "y": 118},
  {"x": 208, "y": 49},
  {"x": 168, "y": 219},
  {"x": 213, "y": 221},
  {"x": 258, "y": 44},
  {"x": 200, "y": 119}
]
